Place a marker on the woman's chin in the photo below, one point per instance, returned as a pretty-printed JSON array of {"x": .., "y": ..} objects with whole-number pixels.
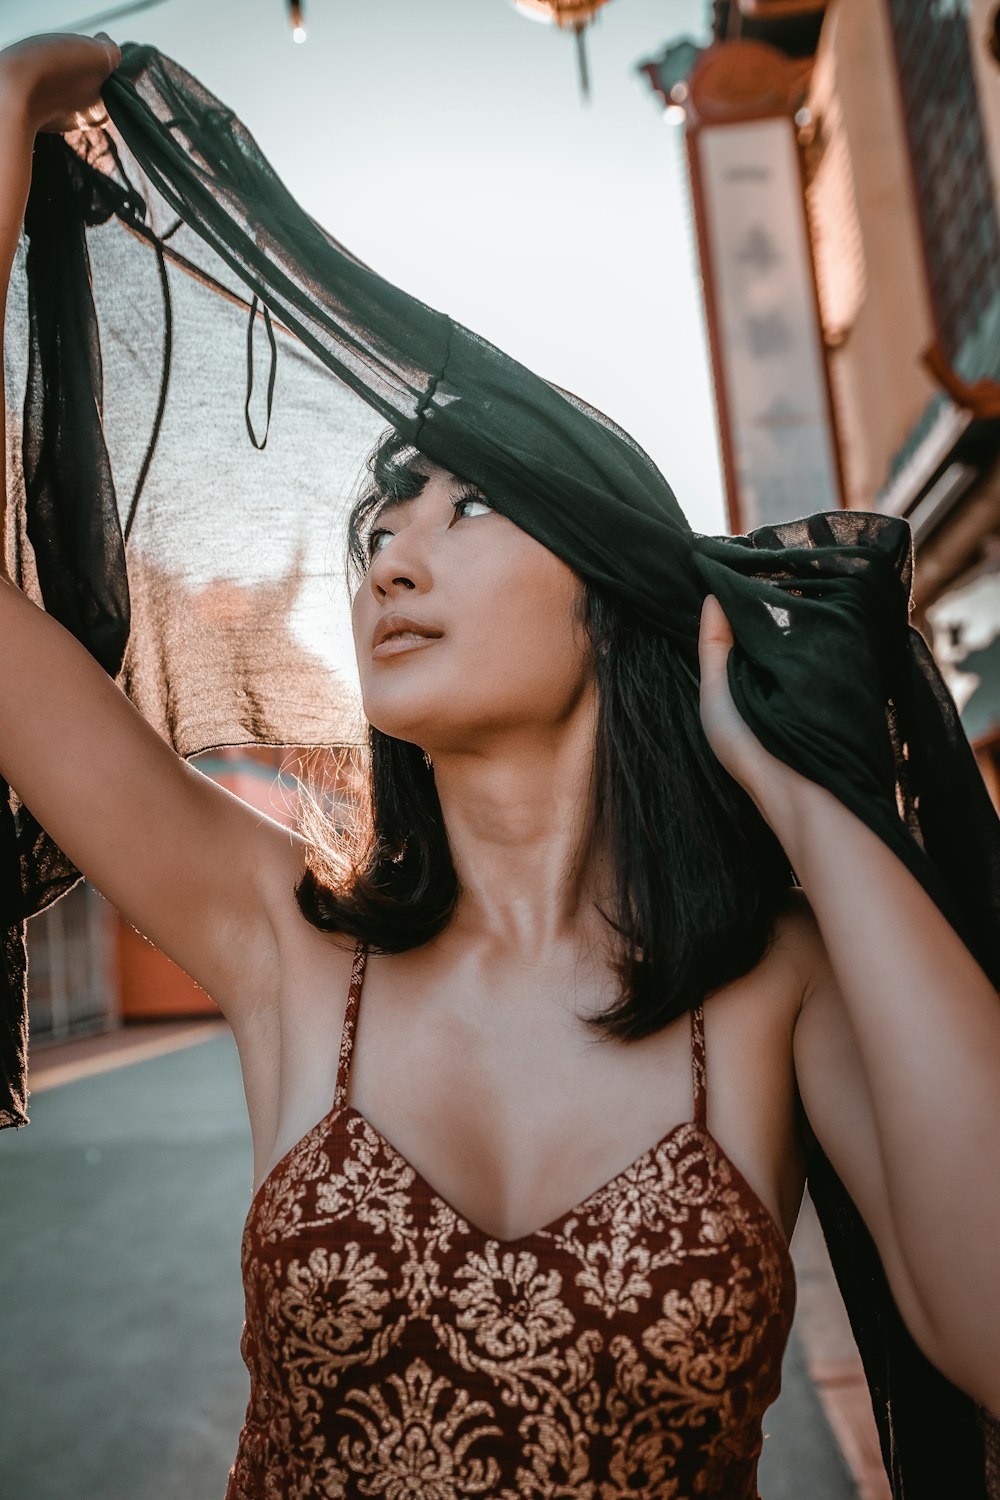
[
  {"x": 427, "y": 727},
  {"x": 401, "y": 723}
]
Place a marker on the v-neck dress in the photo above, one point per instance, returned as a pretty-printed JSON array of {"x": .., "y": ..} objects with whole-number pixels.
[{"x": 628, "y": 1348}]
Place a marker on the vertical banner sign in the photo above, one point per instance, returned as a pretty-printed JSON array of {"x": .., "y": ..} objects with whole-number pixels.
[{"x": 768, "y": 348}]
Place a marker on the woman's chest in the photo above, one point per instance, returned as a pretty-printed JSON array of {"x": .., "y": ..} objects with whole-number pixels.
[{"x": 515, "y": 1111}]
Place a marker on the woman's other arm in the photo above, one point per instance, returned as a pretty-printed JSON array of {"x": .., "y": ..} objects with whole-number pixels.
[
  {"x": 897, "y": 1049},
  {"x": 897, "y": 1056}
]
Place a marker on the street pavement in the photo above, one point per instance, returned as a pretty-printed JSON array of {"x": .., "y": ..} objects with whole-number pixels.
[{"x": 121, "y": 1305}]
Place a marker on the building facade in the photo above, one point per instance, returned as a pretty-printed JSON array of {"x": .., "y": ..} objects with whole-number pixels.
[{"x": 879, "y": 386}]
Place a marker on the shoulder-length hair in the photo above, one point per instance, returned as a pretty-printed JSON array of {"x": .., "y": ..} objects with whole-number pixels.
[{"x": 699, "y": 874}]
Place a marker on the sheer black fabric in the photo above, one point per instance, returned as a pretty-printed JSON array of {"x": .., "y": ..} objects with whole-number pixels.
[{"x": 201, "y": 369}]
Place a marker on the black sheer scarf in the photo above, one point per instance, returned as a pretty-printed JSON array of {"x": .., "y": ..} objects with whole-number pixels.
[{"x": 201, "y": 369}]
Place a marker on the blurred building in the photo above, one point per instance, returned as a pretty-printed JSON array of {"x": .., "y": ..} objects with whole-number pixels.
[
  {"x": 72, "y": 968},
  {"x": 845, "y": 172}
]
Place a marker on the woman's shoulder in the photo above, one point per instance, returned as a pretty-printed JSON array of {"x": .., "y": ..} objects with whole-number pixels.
[
  {"x": 794, "y": 916},
  {"x": 758, "y": 1011},
  {"x": 796, "y": 949},
  {"x": 797, "y": 941}
]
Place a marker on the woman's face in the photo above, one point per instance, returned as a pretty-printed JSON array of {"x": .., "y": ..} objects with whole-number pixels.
[{"x": 509, "y": 651}]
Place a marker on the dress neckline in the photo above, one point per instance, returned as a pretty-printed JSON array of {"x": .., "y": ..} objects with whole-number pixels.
[
  {"x": 550, "y": 1229},
  {"x": 342, "y": 1110}
]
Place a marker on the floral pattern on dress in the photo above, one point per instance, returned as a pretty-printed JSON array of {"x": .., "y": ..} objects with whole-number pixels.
[
  {"x": 512, "y": 1307},
  {"x": 419, "y": 1433}
]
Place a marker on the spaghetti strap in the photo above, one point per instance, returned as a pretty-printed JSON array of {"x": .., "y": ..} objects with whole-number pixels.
[
  {"x": 699, "y": 1069},
  {"x": 350, "y": 1024}
]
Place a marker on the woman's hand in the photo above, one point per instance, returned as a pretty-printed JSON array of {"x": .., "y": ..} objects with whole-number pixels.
[
  {"x": 56, "y": 80},
  {"x": 732, "y": 740}
]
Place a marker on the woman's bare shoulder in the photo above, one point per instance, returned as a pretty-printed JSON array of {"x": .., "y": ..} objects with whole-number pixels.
[{"x": 756, "y": 1014}]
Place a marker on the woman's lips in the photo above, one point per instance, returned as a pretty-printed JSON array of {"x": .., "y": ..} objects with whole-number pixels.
[
  {"x": 398, "y": 632},
  {"x": 406, "y": 640}
]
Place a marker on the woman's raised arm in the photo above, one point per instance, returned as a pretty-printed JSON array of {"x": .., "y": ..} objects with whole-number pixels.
[{"x": 185, "y": 861}]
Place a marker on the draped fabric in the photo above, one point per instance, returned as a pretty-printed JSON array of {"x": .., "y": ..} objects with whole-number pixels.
[{"x": 195, "y": 371}]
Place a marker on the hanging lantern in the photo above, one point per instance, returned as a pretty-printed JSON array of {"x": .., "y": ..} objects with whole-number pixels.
[
  {"x": 298, "y": 25},
  {"x": 570, "y": 15}
]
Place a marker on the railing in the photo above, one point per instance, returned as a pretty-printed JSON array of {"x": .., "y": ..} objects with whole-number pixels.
[{"x": 72, "y": 974}]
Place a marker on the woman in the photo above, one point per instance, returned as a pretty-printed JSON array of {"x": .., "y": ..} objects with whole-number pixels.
[{"x": 467, "y": 1269}]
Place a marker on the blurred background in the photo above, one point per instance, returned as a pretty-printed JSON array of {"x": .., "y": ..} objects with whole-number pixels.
[{"x": 763, "y": 236}]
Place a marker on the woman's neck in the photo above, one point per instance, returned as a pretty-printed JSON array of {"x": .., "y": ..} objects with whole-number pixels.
[{"x": 520, "y": 820}]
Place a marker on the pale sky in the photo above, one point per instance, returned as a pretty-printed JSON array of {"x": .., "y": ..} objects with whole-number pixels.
[{"x": 445, "y": 144}]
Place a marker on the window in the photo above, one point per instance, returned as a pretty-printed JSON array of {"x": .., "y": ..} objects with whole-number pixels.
[{"x": 951, "y": 172}]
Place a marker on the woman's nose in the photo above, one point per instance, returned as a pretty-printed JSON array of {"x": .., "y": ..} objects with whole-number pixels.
[
  {"x": 400, "y": 581},
  {"x": 397, "y": 567}
]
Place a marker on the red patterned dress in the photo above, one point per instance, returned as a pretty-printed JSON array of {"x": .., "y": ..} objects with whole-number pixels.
[{"x": 628, "y": 1348}]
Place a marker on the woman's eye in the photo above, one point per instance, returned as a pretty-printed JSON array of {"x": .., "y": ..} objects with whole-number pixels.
[
  {"x": 375, "y": 539},
  {"x": 465, "y": 500}
]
